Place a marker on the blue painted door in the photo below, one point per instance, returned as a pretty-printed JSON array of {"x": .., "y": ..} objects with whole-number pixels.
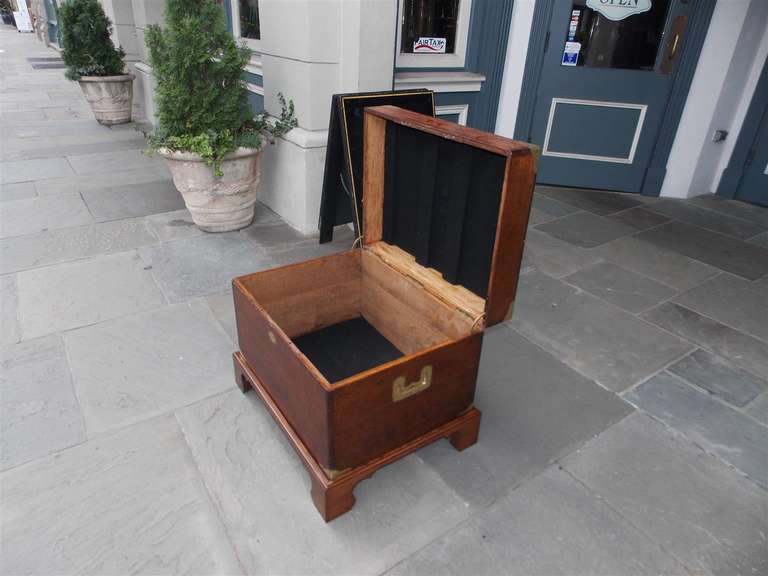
[
  {"x": 605, "y": 82},
  {"x": 753, "y": 186}
]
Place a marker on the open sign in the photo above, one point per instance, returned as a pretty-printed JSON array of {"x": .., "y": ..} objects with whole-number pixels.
[
  {"x": 429, "y": 46},
  {"x": 619, "y": 9}
]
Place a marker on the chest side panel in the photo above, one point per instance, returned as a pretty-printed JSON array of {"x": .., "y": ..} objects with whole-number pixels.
[
  {"x": 367, "y": 420},
  {"x": 296, "y": 390}
]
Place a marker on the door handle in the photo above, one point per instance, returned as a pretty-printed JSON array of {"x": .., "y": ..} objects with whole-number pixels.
[{"x": 676, "y": 31}]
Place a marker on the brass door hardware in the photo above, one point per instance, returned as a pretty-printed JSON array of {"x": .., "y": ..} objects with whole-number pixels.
[{"x": 674, "y": 44}]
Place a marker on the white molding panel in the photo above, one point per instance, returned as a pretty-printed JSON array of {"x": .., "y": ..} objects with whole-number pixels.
[{"x": 643, "y": 108}]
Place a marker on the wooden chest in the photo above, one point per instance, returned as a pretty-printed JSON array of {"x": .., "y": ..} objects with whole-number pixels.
[{"x": 365, "y": 356}]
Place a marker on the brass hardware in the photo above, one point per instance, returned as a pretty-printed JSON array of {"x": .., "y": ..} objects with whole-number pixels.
[
  {"x": 536, "y": 153},
  {"x": 272, "y": 338},
  {"x": 676, "y": 32},
  {"x": 510, "y": 310},
  {"x": 332, "y": 474},
  {"x": 401, "y": 390},
  {"x": 675, "y": 42}
]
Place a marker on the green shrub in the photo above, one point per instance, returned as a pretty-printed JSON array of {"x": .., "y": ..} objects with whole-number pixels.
[
  {"x": 201, "y": 96},
  {"x": 87, "y": 48}
]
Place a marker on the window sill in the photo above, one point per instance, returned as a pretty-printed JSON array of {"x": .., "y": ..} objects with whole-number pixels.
[
  {"x": 254, "y": 65},
  {"x": 440, "y": 81}
]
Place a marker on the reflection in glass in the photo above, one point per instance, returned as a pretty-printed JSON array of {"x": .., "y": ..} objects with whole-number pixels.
[
  {"x": 429, "y": 19},
  {"x": 632, "y": 43},
  {"x": 249, "y": 19}
]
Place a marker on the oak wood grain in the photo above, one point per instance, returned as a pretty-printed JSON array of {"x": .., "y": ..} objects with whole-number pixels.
[
  {"x": 359, "y": 432},
  {"x": 455, "y": 296},
  {"x": 334, "y": 496},
  {"x": 373, "y": 177},
  {"x": 310, "y": 295},
  {"x": 519, "y": 180},
  {"x": 450, "y": 130}
]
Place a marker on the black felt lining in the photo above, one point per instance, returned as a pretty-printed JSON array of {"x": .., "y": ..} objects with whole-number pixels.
[
  {"x": 346, "y": 348},
  {"x": 441, "y": 204}
]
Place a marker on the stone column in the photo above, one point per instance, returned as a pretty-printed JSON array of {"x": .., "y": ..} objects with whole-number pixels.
[
  {"x": 120, "y": 13},
  {"x": 311, "y": 50},
  {"x": 130, "y": 18},
  {"x": 145, "y": 12}
]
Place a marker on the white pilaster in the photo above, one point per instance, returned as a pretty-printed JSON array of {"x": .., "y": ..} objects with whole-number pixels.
[
  {"x": 726, "y": 74},
  {"x": 311, "y": 50}
]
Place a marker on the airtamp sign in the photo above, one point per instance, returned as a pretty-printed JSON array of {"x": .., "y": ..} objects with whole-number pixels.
[
  {"x": 426, "y": 45},
  {"x": 619, "y": 9}
]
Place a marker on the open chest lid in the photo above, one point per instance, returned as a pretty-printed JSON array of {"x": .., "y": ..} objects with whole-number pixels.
[{"x": 450, "y": 204}]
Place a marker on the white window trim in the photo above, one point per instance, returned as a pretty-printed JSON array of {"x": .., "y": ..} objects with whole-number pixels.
[
  {"x": 449, "y": 110},
  {"x": 455, "y": 60},
  {"x": 252, "y": 43},
  {"x": 256, "y": 89},
  {"x": 440, "y": 81},
  {"x": 254, "y": 65}
]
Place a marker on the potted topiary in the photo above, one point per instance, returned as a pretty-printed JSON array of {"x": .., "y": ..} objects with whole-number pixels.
[
  {"x": 94, "y": 62},
  {"x": 6, "y": 11},
  {"x": 206, "y": 130}
]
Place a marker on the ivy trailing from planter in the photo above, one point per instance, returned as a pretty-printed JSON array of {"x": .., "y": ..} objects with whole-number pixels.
[
  {"x": 201, "y": 95},
  {"x": 87, "y": 47}
]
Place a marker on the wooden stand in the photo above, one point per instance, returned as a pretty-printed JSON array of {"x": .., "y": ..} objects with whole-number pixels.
[{"x": 332, "y": 492}]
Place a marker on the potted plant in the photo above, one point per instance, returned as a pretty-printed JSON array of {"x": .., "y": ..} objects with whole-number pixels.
[
  {"x": 6, "y": 11},
  {"x": 94, "y": 62},
  {"x": 206, "y": 130}
]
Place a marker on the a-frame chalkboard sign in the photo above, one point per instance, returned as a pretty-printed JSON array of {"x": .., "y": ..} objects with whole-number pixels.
[{"x": 342, "y": 200}]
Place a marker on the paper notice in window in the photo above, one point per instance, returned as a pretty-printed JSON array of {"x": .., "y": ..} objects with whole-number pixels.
[
  {"x": 571, "y": 53},
  {"x": 429, "y": 46}
]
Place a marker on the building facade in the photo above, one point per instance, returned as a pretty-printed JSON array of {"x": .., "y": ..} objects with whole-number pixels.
[{"x": 656, "y": 97}]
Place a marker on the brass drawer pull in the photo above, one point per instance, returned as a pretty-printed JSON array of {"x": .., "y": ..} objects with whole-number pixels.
[{"x": 401, "y": 390}]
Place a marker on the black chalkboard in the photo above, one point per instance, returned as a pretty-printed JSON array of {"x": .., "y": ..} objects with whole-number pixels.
[{"x": 341, "y": 201}]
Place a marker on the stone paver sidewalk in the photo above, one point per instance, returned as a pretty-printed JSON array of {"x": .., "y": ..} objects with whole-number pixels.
[{"x": 625, "y": 407}]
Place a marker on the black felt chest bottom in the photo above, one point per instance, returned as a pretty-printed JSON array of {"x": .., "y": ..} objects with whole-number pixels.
[{"x": 346, "y": 348}]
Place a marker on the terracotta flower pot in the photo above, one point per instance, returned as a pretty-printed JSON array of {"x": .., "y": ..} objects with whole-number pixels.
[
  {"x": 110, "y": 97},
  {"x": 217, "y": 203}
]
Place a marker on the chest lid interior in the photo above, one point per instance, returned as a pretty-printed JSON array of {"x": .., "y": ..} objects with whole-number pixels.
[{"x": 448, "y": 205}]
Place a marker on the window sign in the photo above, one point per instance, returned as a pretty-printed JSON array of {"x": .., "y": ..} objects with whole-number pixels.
[
  {"x": 619, "y": 9},
  {"x": 429, "y": 46},
  {"x": 571, "y": 53},
  {"x": 574, "y": 25},
  {"x": 595, "y": 40}
]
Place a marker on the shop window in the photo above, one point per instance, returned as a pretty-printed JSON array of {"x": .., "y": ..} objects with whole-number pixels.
[
  {"x": 245, "y": 21},
  {"x": 433, "y": 33},
  {"x": 632, "y": 43}
]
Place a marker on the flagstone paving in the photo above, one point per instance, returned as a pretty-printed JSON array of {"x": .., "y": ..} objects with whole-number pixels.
[{"x": 625, "y": 405}]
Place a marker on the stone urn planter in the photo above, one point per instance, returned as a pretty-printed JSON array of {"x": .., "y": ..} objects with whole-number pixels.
[
  {"x": 217, "y": 203},
  {"x": 110, "y": 97}
]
